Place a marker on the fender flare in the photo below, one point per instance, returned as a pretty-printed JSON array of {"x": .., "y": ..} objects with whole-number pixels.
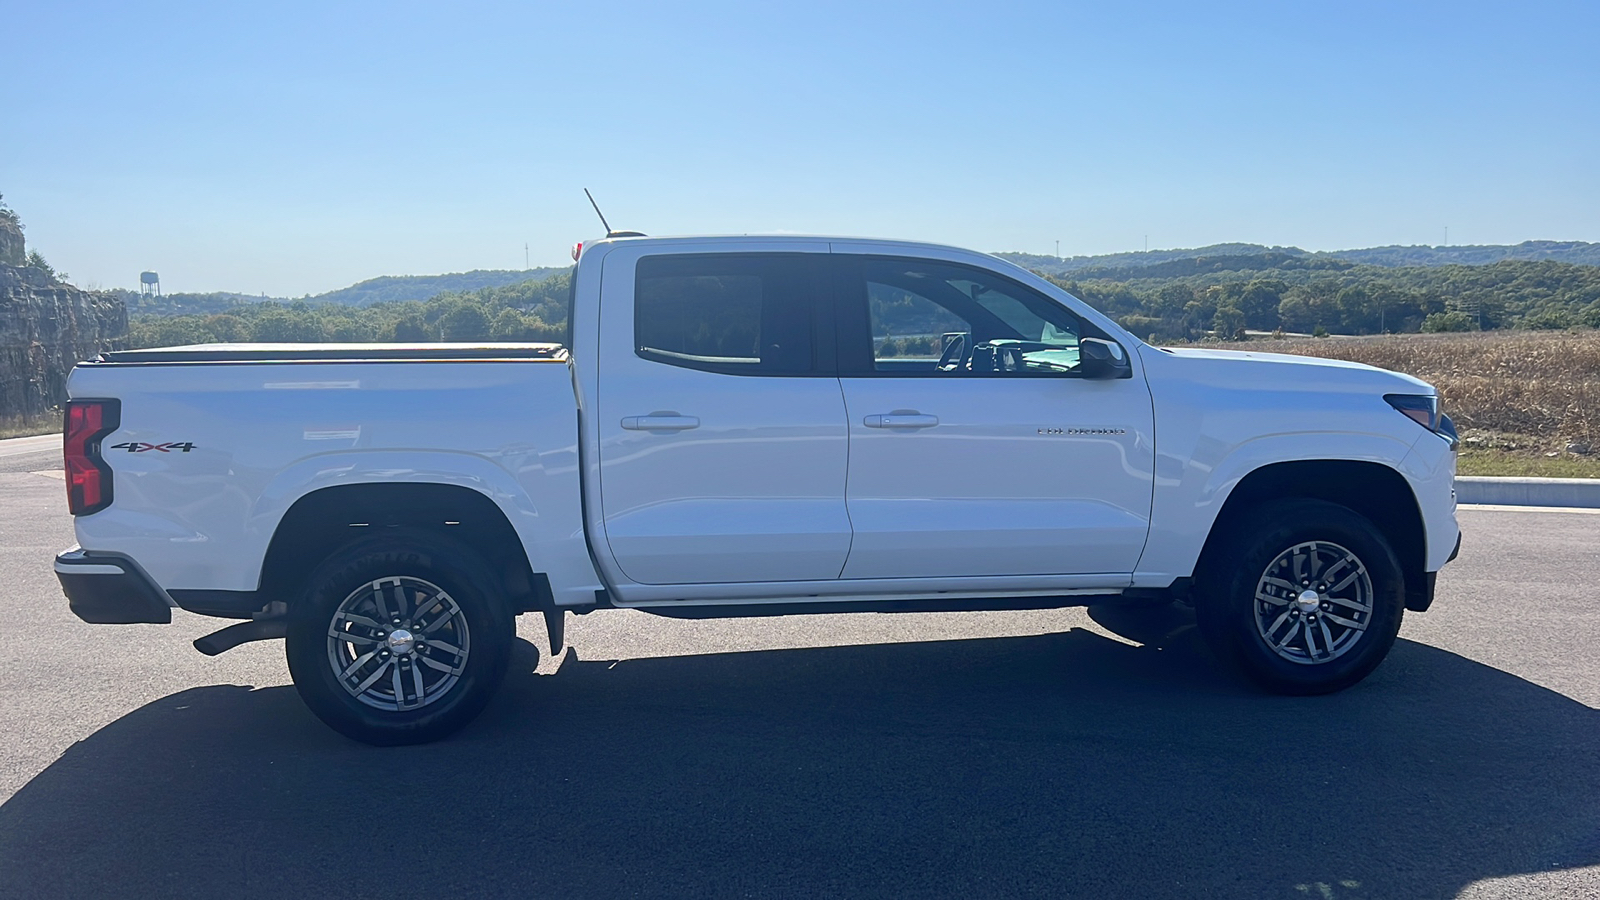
[
  {"x": 388, "y": 467},
  {"x": 1187, "y": 507}
]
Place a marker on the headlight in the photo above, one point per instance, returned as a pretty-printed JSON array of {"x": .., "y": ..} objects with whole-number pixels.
[{"x": 1423, "y": 409}]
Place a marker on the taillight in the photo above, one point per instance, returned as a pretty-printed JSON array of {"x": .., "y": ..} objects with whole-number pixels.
[
  {"x": 88, "y": 476},
  {"x": 577, "y": 250}
]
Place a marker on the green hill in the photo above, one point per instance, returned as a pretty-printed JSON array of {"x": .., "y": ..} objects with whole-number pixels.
[
  {"x": 529, "y": 310},
  {"x": 1575, "y": 252},
  {"x": 1580, "y": 253},
  {"x": 1051, "y": 265},
  {"x": 400, "y": 288},
  {"x": 383, "y": 289},
  {"x": 1322, "y": 294}
]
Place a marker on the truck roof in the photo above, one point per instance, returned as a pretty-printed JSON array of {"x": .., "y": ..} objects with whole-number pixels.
[{"x": 770, "y": 238}]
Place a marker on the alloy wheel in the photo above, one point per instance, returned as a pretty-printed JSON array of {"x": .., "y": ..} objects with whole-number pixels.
[
  {"x": 398, "y": 643},
  {"x": 1313, "y": 603}
]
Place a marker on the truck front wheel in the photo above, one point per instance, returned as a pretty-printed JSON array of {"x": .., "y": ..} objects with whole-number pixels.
[
  {"x": 1305, "y": 596},
  {"x": 398, "y": 640}
]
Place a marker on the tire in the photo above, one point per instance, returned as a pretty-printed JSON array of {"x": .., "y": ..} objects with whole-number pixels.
[
  {"x": 1263, "y": 607},
  {"x": 350, "y": 660}
]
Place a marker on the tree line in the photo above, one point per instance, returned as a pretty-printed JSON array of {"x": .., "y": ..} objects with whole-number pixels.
[
  {"x": 1352, "y": 299},
  {"x": 529, "y": 311},
  {"x": 384, "y": 289},
  {"x": 1205, "y": 299}
]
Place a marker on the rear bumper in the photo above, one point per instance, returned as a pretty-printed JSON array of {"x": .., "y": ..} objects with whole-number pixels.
[{"x": 110, "y": 589}]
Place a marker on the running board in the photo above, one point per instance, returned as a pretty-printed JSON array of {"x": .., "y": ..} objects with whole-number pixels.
[{"x": 832, "y": 607}]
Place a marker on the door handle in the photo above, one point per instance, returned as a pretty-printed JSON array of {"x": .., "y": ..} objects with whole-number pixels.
[
  {"x": 660, "y": 422},
  {"x": 901, "y": 419}
]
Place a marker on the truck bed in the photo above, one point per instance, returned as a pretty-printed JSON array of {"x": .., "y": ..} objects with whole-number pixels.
[{"x": 291, "y": 353}]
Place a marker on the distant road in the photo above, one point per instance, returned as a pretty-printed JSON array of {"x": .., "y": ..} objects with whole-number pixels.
[
  {"x": 30, "y": 454},
  {"x": 19, "y": 446}
]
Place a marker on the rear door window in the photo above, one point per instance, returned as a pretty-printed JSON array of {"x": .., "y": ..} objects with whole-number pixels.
[{"x": 738, "y": 314}]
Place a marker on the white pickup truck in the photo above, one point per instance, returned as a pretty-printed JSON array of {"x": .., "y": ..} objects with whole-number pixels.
[{"x": 750, "y": 426}]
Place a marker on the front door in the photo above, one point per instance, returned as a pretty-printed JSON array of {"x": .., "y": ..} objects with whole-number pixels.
[
  {"x": 976, "y": 447},
  {"x": 723, "y": 447}
]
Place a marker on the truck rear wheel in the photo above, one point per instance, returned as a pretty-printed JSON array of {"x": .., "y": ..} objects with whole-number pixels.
[
  {"x": 398, "y": 639},
  {"x": 1305, "y": 596}
]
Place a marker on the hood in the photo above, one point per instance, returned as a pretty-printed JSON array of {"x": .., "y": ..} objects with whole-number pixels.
[{"x": 1248, "y": 368}]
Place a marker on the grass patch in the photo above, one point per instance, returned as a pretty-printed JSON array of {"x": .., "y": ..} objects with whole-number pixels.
[
  {"x": 28, "y": 426},
  {"x": 1516, "y": 465}
]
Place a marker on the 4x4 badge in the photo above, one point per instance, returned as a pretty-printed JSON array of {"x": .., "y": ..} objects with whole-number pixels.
[{"x": 140, "y": 447}]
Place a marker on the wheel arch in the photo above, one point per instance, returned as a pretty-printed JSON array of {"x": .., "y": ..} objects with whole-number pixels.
[
  {"x": 1376, "y": 491},
  {"x": 323, "y": 520}
]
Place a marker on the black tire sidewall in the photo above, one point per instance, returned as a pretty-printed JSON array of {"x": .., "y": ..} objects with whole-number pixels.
[
  {"x": 1226, "y": 610},
  {"x": 444, "y": 562}
]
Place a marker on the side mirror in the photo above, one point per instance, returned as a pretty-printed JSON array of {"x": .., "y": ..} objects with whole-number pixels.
[{"x": 1098, "y": 358}]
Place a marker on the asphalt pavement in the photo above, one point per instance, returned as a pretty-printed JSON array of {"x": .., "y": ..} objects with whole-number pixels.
[{"x": 1061, "y": 753}]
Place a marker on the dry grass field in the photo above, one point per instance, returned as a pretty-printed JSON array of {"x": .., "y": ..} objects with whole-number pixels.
[{"x": 1519, "y": 398}]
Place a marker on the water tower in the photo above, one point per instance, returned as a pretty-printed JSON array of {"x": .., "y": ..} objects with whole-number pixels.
[{"x": 149, "y": 284}]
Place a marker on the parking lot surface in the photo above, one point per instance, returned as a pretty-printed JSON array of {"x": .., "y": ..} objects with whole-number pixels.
[{"x": 1063, "y": 753}]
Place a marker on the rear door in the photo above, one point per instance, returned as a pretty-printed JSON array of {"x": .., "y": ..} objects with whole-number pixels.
[
  {"x": 722, "y": 439},
  {"x": 976, "y": 446}
]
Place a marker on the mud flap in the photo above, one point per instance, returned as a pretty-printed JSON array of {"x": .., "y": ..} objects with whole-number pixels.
[{"x": 555, "y": 624}]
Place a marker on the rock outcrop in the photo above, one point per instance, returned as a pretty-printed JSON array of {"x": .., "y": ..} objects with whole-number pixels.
[
  {"x": 12, "y": 252},
  {"x": 46, "y": 326}
]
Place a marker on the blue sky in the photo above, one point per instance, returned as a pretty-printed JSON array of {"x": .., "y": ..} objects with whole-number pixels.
[{"x": 292, "y": 148}]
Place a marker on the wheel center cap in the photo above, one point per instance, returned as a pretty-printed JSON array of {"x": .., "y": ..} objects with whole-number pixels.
[
  {"x": 1308, "y": 601},
  {"x": 401, "y": 641}
]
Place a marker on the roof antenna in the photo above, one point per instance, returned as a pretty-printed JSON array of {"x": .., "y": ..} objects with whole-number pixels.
[
  {"x": 609, "y": 232},
  {"x": 597, "y": 211}
]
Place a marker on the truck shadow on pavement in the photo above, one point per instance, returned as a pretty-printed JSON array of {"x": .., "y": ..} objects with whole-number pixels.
[{"x": 1063, "y": 765}]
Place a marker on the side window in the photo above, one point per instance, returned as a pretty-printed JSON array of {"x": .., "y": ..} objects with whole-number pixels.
[
  {"x": 739, "y": 314},
  {"x": 907, "y": 325},
  {"x": 929, "y": 318}
]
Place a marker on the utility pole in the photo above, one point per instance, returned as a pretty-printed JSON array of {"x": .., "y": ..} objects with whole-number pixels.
[{"x": 1058, "y": 249}]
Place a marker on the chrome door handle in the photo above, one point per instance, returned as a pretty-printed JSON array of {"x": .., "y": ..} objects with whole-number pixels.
[
  {"x": 901, "y": 420},
  {"x": 660, "y": 422}
]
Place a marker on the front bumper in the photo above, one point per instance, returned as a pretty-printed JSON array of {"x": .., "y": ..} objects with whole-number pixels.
[
  {"x": 110, "y": 589},
  {"x": 1420, "y": 600}
]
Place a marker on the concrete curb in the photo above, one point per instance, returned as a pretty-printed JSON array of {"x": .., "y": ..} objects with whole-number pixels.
[{"x": 1570, "y": 492}]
